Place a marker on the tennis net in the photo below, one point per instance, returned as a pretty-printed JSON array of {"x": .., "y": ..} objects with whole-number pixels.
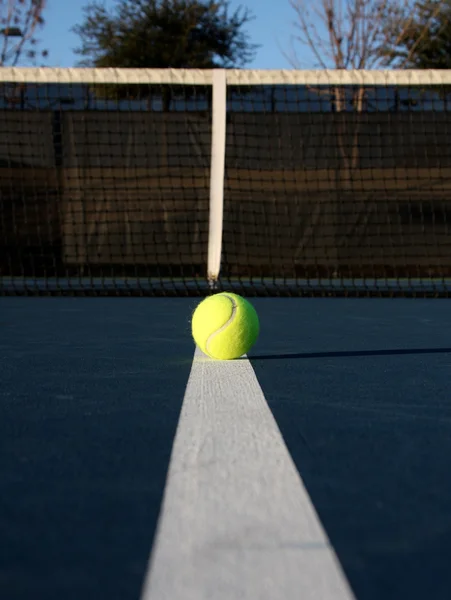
[{"x": 264, "y": 182}]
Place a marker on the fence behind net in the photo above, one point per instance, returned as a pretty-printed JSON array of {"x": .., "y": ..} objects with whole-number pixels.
[{"x": 177, "y": 182}]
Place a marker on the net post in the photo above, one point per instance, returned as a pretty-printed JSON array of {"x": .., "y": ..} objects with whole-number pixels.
[{"x": 217, "y": 169}]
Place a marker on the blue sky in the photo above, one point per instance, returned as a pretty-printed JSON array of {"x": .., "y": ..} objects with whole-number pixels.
[{"x": 271, "y": 28}]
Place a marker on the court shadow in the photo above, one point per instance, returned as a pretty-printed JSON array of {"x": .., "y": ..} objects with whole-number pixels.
[{"x": 349, "y": 353}]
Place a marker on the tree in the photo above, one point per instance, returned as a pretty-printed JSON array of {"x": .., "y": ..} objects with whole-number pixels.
[
  {"x": 425, "y": 41},
  {"x": 359, "y": 34},
  {"x": 343, "y": 34},
  {"x": 19, "y": 22},
  {"x": 351, "y": 34},
  {"x": 165, "y": 33}
]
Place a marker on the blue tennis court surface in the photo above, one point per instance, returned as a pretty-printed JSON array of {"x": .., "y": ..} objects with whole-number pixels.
[{"x": 133, "y": 467}]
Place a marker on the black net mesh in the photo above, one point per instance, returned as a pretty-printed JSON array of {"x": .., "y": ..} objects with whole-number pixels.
[
  {"x": 104, "y": 188},
  {"x": 336, "y": 190},
  {"x": 339, "y": 189}
]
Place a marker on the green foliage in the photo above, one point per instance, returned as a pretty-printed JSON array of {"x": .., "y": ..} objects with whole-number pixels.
[
  {"x": 164, "y": 33},
  {"x": 422, "y": 38}
]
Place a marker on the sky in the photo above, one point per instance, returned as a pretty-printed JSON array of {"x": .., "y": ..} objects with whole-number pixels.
[{"x": 271, "y": 29}]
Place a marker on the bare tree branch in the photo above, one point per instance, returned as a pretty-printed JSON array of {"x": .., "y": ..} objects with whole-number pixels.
[
  {"x": 350, "y": 34},
  {"x": 19, "y": 22},
  {"x": 306, "y": 33},
  {"x": 353, "y": 34}
]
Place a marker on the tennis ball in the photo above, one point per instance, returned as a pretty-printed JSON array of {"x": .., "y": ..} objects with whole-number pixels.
[{"x": 225, "y": 326}]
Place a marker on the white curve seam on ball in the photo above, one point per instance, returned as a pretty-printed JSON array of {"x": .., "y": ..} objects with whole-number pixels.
[{"x": 226, "y": 324}]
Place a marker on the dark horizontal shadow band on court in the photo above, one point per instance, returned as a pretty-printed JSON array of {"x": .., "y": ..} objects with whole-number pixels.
[{"x": 350, "y": 353}]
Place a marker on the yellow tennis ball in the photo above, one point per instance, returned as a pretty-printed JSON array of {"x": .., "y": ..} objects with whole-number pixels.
[{"x": 225, "y": 326}]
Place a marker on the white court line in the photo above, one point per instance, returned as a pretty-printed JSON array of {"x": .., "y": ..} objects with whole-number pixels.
[{"x": 236, "y": 520}]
